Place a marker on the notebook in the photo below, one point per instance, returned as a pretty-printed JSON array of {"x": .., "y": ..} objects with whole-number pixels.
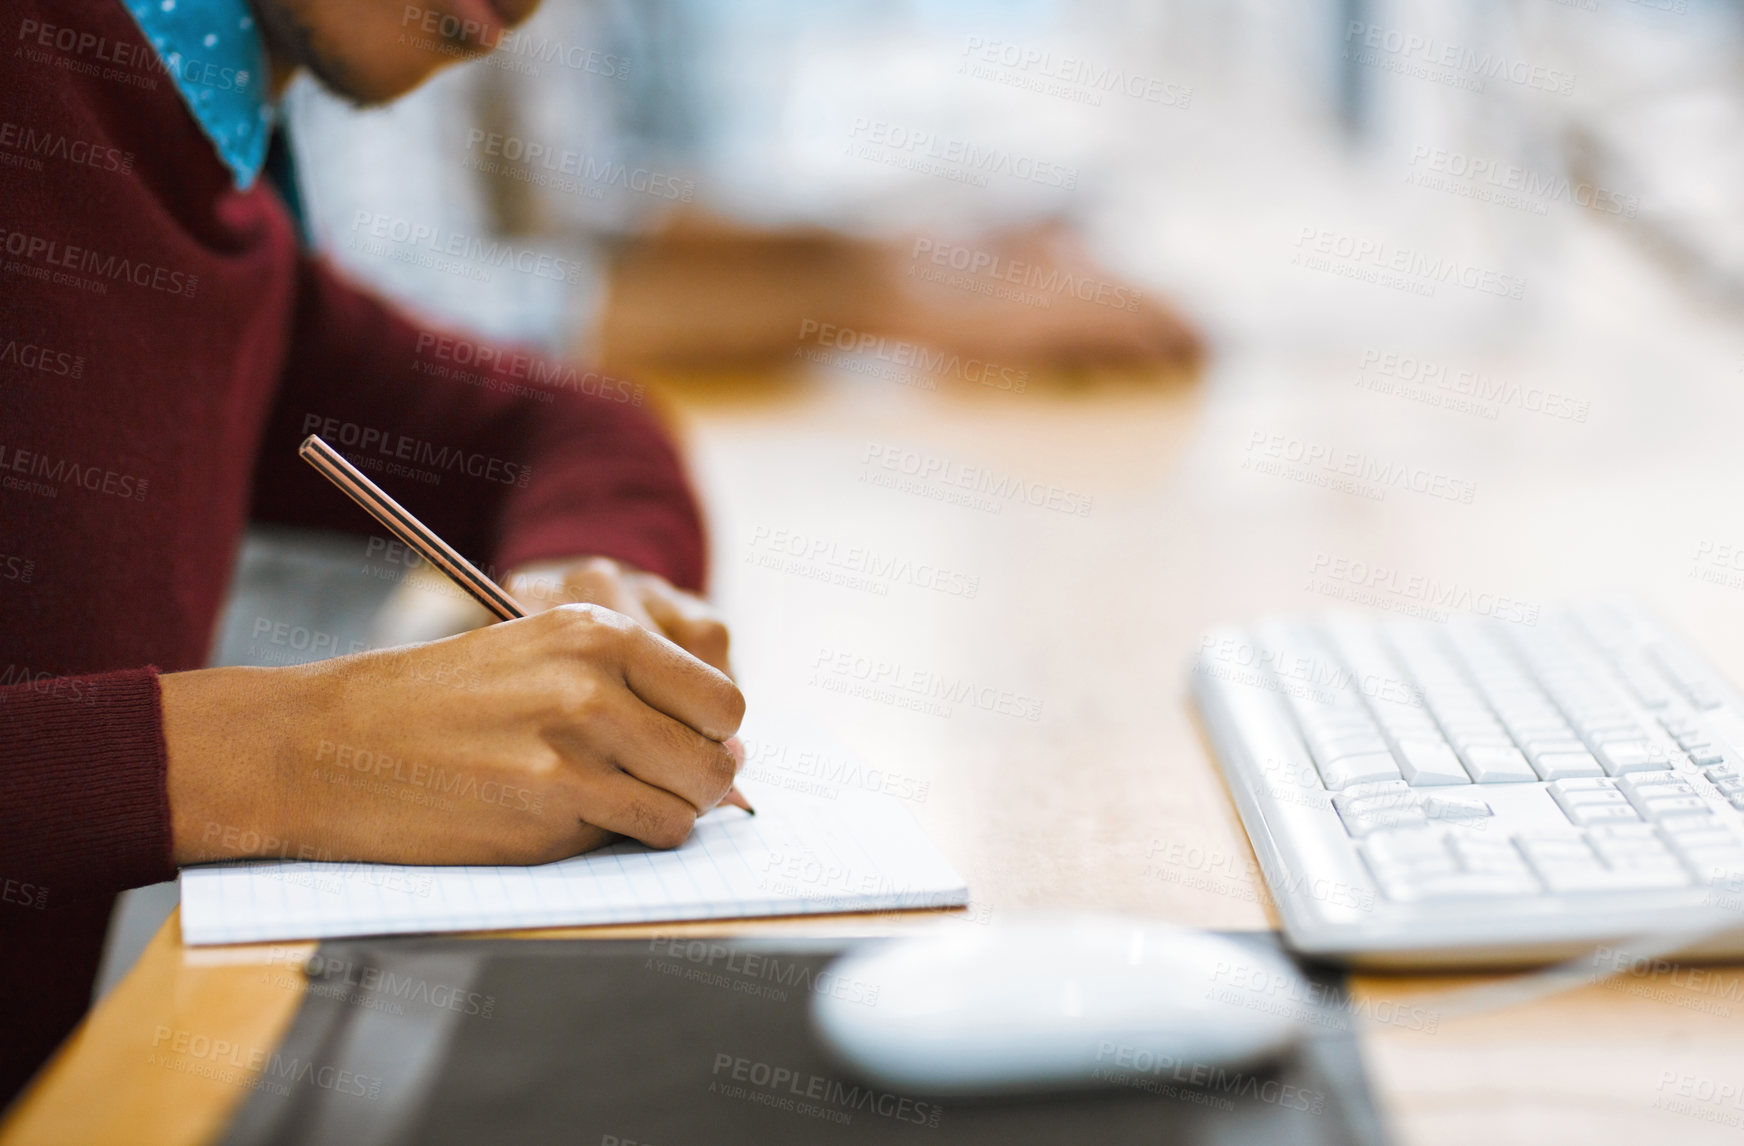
[{"x": 800, "y": 854}]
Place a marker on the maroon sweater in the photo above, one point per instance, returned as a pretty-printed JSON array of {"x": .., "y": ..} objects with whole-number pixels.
[{"x": 163, "y": 348}]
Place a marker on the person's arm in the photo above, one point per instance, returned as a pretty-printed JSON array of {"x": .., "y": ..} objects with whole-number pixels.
[
  {"x": 519, "y": 742},
  {"x": 513, "y": 461},
  {"x": 554, "y": 475},
  {"x": 82, "y": 759}
]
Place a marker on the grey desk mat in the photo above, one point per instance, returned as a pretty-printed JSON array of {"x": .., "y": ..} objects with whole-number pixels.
[{"x": 686, "y": 1043}]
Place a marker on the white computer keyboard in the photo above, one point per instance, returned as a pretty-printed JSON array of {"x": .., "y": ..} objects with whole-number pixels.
[{"x": 1481, "y": 792}]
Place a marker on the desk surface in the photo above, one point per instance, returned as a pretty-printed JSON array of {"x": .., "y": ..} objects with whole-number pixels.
[{"x": 1094, "y": 614}]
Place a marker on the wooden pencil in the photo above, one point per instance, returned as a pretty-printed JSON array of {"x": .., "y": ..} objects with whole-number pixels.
[{"x": 330, "y": 464}]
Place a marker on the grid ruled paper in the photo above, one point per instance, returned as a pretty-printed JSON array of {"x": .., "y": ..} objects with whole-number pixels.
[{"x": 799, "y": 855}]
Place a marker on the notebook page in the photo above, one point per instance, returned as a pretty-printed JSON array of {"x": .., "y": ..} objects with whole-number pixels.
[{"x": 801, "y": 854}]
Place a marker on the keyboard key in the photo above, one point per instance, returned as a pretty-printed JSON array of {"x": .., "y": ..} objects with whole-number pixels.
[
  {"x": 1636, "y": 854},
  {"x": 1557, "y": 849},
  {"x": 1420, "y": 865},
  {"x": 1372, "y": 788},
  {"x": 1331, "y": 717},
  {"x": 1586, "y": 814},
  {"x": 1695, "y": 831},
  {"x": 1395, "y": 851},
  {"x": 1561, "y": 765},
  {"x": 1572, "y": 800},
  {"x": 1688, "y": 675},
  {"x": 1571, "y": 865},
  {"x": 1324, "y": 738},
  {"x": 1701, "y": 835},
  {"x": 1625, "y": 756},
  {"x": 1647, "y": 688},
  {"x": 1474, "y": 732},
  {"x": 1665, "y": 807},
  {"x": 1487, "y": 855},
  {"x": 1574, "y": 880},
  {"x": 1525, "y": 733},
  {"x": 1626, "y": 839},
  {"x": 1704, "y": 837},
  {"x": 1375, "y": 787},
  {"x": 1544, "y": 745},
  {"x": 1713, "y": 858},
  {"x": 1339, "y": 745},
  {"x": 1413, "y": 725},
  {"x": 1350, "y": 770},
  {"x": 1533, "y": 715},
  {"x": 1592, "y": 799},
  {"x": 1663, "y": 795},
  {"x": 1339, "y": 712},
  {"x": 1382, "y": 819},
  {"x": 1654, "y": 782},
  {"x": 1456, "y": 808},
  {"x": 1592, "y": 802},
  {"x": 1470, "y": 844},
  {"x": 1496, "y": 764},
  {"x": 1462, "y": 884},
  {"x": 1586, "y": 798},
  {"x": 1632, "y": 853},
  {"x": 1429, "y": 762},
  {"x": 1370, "y": 805}
]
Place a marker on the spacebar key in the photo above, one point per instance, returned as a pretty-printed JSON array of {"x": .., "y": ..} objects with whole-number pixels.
[{"x": 1361, "y": 769}]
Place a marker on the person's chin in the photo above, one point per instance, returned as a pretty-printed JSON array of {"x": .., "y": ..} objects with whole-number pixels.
[
  {"x": 380, "y": 82},
  {"x": 364, "y": 82}
]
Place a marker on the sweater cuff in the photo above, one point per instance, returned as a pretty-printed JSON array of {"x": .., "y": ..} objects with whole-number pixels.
[{"x": 85, "y": 801}]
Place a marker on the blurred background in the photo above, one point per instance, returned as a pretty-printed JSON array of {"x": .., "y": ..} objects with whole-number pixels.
[
  {"x": 1151, "y": 259},
  {"x": 1186, "y": 141}
]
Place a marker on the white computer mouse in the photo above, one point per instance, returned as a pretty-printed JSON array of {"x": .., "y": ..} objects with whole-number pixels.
[{"x": 1060, "y": 1001}]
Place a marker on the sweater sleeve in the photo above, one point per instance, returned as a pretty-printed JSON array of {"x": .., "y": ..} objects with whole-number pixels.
[
  {"x": 507, "y": 455},
  {"x": 84, "y": 763}
]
